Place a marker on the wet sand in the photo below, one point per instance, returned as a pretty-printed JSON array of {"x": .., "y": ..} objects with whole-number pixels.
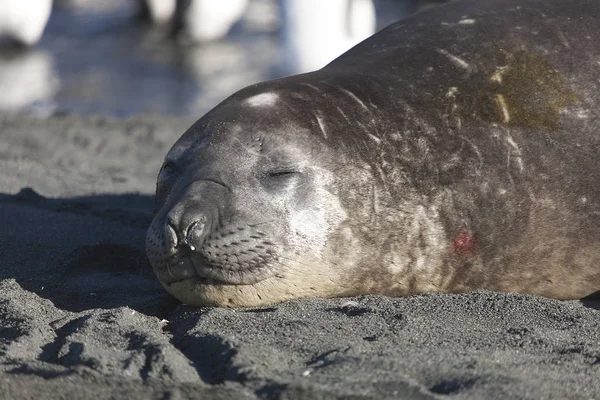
[{"x": 82, "y": 316}]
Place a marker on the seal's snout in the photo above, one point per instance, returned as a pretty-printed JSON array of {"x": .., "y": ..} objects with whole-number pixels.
[{"x": 185, "y": 229}]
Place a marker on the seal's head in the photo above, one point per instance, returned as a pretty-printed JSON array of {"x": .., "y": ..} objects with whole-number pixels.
[{"x": 248, "y": 208}]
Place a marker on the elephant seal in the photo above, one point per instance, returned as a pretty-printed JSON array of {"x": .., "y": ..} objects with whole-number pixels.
[{"x": 458, "y": 149}]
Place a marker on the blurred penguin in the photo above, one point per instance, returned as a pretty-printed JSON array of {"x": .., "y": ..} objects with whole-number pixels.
[
  {"x": 200, "y": 20},
  {"x": 206, "y": 20},
  {"x": 160, "y": 11},
  {"x": 24, "y": 20},
  {"x": 314, "y": 32},
  {"x": 27, "y": 78}
]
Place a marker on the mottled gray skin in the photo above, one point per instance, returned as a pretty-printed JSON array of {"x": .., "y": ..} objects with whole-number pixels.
[{"x": 455, "y": 150}]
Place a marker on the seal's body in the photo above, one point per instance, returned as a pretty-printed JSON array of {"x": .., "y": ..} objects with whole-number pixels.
[{"x": 455, "y": 150}]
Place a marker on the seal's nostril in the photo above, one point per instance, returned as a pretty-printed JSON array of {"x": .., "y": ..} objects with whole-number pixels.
[
  {"x": 171, "y": 235},
  {"x": 194, "y": 233}
]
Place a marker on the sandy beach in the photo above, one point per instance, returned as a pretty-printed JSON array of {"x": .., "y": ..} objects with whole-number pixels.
[{"x": 82, "y": 315}]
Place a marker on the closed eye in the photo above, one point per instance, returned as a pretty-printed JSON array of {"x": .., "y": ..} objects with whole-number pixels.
[
  {"x": 282, "y": 173},
  {"x": 281, "y": 179}
]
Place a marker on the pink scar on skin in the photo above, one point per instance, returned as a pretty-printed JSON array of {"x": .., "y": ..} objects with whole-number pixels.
[{"x": 464, "y": 243}]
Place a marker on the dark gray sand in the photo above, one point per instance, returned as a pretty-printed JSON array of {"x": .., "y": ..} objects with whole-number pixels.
[{"x": 82, "y": 316}]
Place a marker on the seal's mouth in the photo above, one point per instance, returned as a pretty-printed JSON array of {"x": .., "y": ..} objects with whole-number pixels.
[{"x": 187, "y": 266}]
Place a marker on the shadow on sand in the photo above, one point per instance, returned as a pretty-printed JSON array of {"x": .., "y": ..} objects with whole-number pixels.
[{"x": 83, "y": 252}]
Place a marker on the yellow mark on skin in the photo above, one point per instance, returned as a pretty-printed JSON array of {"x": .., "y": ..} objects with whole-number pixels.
[
  {"x": 497, "y": 76},
  {"x": 467, "y": 21},
  {"x": 526, "y": 91},
  {"x": 503, "y": 108}
]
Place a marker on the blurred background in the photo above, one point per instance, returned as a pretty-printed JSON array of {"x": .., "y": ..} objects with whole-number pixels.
[{"x": 169, "y": 57}]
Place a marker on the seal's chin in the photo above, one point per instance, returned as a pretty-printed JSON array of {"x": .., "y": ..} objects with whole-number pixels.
[{"x": 190, "y": 267}]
